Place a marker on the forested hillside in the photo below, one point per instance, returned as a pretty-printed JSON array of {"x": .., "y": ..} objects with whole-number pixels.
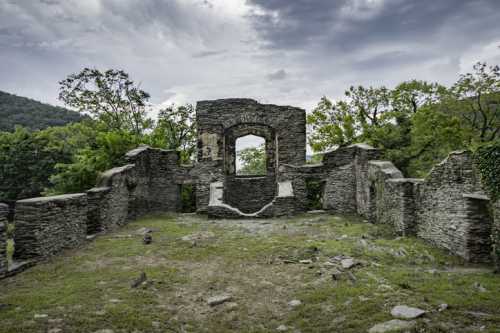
[{"x": 16, "y": 110}]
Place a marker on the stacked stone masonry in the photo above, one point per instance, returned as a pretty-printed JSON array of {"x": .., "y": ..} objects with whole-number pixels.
[
  {"x": 4, "y": 211},
  {"x": 448, "y": 208},
  {"x": 450, "y": 213},
  {"x": 47, "y": 225}
]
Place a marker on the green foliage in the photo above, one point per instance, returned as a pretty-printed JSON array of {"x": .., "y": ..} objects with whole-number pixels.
[
  {"x": 253, "y": 161},
  {"x": 176, "y": 129},
  {"x": 331, "y": 124},
  {"x": 86, "y": 164},
  {"x": 476, "y": 98},
  {"x": 417, "y": 123},
  {"x": 314, "y": 194},
  {"x": 22, "y": 111},
  {"x": 188, "y": 198},
  {"x": 314, "y": 159},
  {"x": 110, "y": 96},
  {"x": 487, "y": 158},
  {"x": 28, "y": 159}
]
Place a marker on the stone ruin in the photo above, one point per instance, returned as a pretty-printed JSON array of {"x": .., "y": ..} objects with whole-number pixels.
[{"x": 449, "y": 208}]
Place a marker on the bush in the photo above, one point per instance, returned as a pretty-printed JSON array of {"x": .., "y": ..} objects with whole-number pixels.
[{"x": 487, "y": 158}]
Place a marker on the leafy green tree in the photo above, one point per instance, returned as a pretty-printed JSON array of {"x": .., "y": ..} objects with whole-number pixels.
[
  {"x": 28, "y": 159},
  {"x": 476, "y": 98},
  {"x": 331, "y": 124},
  {"x": 176, "y": 129},
  {"x": 110, "y": 96},
  {"x": 253, "y": 161},
  {"x": 87, "y": 163}
]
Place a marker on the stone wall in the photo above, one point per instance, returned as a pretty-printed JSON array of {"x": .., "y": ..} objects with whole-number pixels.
[
  {"x": 363, "y": 154},
  {"x": 220, "y": 123},
  {"x": 452, "y": 210},
  {"x": 380, "y": 199},
  {"x": 496, "y": 233},
  {"x": 4, "y": 211},
  {"x": 257, "y": 191},
  {"x": 48, "y": 225},
  {"x": 346, "y": 183},
  {"x": 152, "y": 182},
  {"x": 398, "y": 205}
]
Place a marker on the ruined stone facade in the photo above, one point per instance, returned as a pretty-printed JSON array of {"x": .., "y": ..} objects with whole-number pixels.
[{"x": 448, "y": 208}]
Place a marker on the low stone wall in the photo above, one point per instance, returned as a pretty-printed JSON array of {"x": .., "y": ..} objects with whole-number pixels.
[
  {"x": 257, "y": 191},
  {"x": 153, "y": 183},
  {"x": 113, "y": 198},
  {"x": 97, "y": 210},
  {"x": 495, "y": 234},
  {"x": 48, "y": 225},
  {"x": 452, "y": 211},
  {"x": 399, "y": 206},
  {"x": 379, "y": 200},
  {"x": 363, "y": 154},
  {"x": 4, "y": 211}
]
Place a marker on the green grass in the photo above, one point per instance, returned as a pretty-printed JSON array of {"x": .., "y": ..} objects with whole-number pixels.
[{"x": 89, "y": 289}]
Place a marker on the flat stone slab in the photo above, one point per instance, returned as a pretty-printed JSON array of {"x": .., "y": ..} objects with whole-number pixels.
[
  {"x": 406, "y": 312},
  {"x": 348, "y": 263},
  {"x": 394, "y": 325},
  {"x": 216, "y": 300}
]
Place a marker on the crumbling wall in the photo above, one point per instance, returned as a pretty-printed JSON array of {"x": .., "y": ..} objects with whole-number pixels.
[
  {"x": 381, "y": 201},
  {"x": 346, "y": 182},
  {"x": 496, "y": 233},
  {"x": 48, "y": 225},
  {"x": 4, "y": 211},
  {"x": 97, "y": 209},
  {"x": 398, "y": 205},
  {"x": 257, "y": 191},
  {"x": 115, "y": 203},
  {"x": 152, "y": 182},
  {"x": 363, "y": 154},
  {"x": 452, "y": 211},
  {"x": 340, "y": 180},
  {"x": 221, "y": 122}
]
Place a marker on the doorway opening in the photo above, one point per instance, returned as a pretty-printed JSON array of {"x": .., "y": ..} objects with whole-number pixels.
[{"x": 314, "y": 193}]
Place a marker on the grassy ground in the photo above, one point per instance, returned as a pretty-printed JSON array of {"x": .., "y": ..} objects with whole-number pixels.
[{"x": 257, "y": 262}]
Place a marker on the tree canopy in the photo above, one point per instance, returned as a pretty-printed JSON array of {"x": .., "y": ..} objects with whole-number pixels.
[{"x": 416, "y": 123}]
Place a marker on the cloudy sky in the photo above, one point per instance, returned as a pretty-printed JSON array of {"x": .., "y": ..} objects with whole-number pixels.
[{"x": 276, "y": 51}]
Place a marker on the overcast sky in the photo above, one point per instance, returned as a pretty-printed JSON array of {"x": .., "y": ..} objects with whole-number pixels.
[{"x": 276, "y": 51}]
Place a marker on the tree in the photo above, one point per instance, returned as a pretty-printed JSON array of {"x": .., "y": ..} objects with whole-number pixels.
[
  {"x": 476, "y": 98},
  {"x": 253, "y": 161},
  {"x": 28, "y": 159},
  {"x": 331, "y": 124},
  {"x": 378, "y": 116},
  {"x": 110, "y": 96},
  {"x": 176, "y": 129}
]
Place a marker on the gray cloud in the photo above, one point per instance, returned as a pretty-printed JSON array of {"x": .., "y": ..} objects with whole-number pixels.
[
  {"x": 278, "y": 75},
  {"x": 204, "y": 49},
  {"x": 204, "y": 54}
]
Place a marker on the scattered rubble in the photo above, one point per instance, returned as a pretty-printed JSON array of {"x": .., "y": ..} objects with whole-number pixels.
[
  {"x": 406, "y": 312},
  {"x": 216, "y": 300},
  {"x": 392, "y": 326},
  {"x": 140, "y": 280}
]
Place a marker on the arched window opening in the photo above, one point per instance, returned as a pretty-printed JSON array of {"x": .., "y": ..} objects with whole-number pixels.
[{"x": 251, "y": 156}]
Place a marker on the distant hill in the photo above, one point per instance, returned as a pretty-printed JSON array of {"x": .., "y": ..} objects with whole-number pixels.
[{"x": 16, "y": 110}]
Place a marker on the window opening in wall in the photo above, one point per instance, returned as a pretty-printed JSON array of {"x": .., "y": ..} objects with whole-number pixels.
[
  {"x": 314, "y": 194},
  {"x": 188, "y": 198},
  {"x": 251, "y": 156}
]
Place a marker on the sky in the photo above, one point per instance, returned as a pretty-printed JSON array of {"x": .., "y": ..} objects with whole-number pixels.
[{"x": 287, "y": 52}]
